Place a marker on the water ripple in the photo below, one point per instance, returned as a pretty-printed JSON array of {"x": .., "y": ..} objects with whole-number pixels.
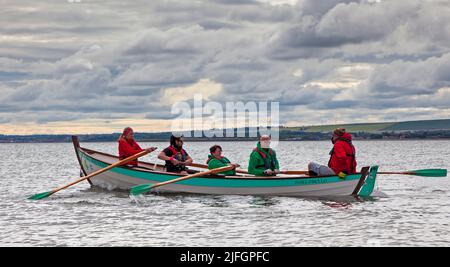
[{"x": 409, "y": 211}]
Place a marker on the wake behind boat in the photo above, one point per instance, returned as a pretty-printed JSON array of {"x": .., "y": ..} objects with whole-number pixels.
[{"x": 125, "y": 177}]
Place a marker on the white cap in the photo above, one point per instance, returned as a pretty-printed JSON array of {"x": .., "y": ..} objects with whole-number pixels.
[{"x": 177, "y": 134}]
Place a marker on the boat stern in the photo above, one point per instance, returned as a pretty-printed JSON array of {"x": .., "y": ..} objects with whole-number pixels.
[{"x": 367, "y": 183}]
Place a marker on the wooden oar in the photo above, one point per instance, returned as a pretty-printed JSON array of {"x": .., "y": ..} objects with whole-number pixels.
[
  {"x": 424, "y": 173},
  {"x": 295, "y": 172},
  {"x": 144, "y": 188},
  {"x": 122, "y": 162},
  {"x": 196, "y": 165},
  {"x": 246, "y": 172}
]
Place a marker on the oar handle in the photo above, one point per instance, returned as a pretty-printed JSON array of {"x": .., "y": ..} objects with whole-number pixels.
[{"x": 197, "y": 165}]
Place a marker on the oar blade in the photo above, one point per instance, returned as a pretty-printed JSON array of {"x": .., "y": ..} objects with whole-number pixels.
[
  {"x": 40, "y": 196},
  {"x": 140, "y": 189},
  {"x": 431, "y": 173}
]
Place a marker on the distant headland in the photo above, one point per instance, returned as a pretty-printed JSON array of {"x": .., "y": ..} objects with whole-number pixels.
[{"x": 425, "y": 129}]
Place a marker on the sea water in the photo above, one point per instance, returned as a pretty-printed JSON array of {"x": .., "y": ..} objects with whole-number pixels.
[{"x": 409, "y": 210}]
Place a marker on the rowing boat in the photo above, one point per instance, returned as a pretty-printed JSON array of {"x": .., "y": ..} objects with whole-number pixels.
[{"x": 125, "y": 177}]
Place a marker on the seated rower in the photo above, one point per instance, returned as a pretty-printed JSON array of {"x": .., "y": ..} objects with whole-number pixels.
[
  {"x": 216, "y": 160},
  {"x": 263, "y": 160},
  {"x": 175, "y": 156},
  {"x": 342, "y": 157},
  {"x": 129, "y": 147}
]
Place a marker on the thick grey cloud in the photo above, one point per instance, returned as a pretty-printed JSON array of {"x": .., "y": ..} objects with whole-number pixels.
[
  {"x": 319, "y": 8},
  {"x": 402, "y": 79},
  {"x": 60, "y": 61},
  {"x": 388, "y": 28}
]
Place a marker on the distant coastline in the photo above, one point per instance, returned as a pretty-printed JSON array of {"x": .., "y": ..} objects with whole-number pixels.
[
  {"x": 319, "y": 137},
  {"x": 414, "y": 130}
]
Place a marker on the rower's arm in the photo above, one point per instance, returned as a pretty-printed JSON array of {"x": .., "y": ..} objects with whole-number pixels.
[
  {"x": 188, "y": 161},
  {"x": 163, "y": 156}
]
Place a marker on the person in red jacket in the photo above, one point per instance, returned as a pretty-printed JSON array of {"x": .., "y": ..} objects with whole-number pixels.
[
  {"x": 342, "y": 157},
  {"x": 129, "y": 147}
]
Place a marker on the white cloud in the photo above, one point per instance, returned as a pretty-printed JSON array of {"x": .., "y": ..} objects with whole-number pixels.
[
  {"x": 204, "y": 87},
  {"x": 280, "y": 2}
]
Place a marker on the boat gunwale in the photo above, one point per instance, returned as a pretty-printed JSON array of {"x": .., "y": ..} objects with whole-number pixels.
[{"x": 275, "y": 178}]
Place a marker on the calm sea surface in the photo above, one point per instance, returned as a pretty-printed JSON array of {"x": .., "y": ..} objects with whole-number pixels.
[{"x": 414, "y": 211}]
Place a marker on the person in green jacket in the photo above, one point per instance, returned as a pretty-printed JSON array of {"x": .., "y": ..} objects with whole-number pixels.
[
  {"x": 216, "y": 160},
  {"x": 263, "y": 160}
]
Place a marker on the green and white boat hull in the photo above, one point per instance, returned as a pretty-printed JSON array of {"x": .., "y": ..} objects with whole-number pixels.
[{"x": 125, "y": 178}]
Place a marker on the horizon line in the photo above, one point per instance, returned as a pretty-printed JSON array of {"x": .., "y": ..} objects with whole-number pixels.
[{"x": 280, "y": 126}]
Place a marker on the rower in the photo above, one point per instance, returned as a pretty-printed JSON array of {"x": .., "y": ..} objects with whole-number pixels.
[
  {"x": 263, "y": 160},
  {"x": 217, "y": 160},
  {"x": 175, "y": 156},
  {"x": 342, "y": 157},
  {"x": 129, "y": 147}
]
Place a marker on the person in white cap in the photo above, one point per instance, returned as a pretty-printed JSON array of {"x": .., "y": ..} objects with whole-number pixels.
[{"x": 263, "y": 160}]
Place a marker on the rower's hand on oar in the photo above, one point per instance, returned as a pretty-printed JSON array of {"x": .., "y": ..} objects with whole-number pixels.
[
  {"x": 342, "y": 175},
  {"x": 175, "y": 162}
]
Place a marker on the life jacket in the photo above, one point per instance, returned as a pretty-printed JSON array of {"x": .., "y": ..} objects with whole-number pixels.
[
  {"x": 351, "y": 157},
  {"x": 267, "y": 164},
  {"x": 176, "y": 154}
]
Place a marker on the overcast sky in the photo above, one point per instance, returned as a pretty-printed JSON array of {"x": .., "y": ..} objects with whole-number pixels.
[{"x": 99, "y": 65}]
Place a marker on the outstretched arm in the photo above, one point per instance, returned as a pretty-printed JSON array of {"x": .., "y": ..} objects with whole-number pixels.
[
  {"x": 188, "y": 161},
  {"x": 163, "y": 156}
]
